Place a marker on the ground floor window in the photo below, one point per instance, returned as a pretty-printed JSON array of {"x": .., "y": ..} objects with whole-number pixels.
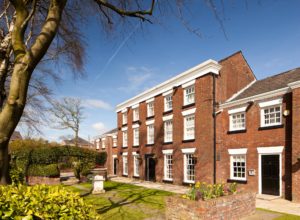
[
  {"x": 238, "y": 167},
  {"x": 136, "y": 165},
  {"x": 189, "y": 168},
  {"x": 125, "y": 165},
  {"x": 168, "y": 167}
]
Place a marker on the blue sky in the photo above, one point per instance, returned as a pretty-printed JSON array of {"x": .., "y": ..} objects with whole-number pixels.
[{"x": 118, "y": 67}]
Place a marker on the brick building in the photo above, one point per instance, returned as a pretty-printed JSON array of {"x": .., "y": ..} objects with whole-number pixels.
[
  {"x": 108, "y": 142},
  {"x": 212, "y": 123}
]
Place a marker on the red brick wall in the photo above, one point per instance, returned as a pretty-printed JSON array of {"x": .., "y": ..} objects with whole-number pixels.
[
  {"x": 296, "y": 145},
  {"x": 252, "y": 139}
]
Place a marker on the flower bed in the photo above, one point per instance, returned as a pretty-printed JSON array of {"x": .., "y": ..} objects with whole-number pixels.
[{"x": 206, "y": 201}]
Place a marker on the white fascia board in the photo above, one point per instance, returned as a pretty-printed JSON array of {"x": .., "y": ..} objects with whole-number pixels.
[
  {"x": 168, "y": 92},
  {"x": 188, "y": 150},
  {"x": 270, "y": 150},
  {"x": 150, "y": 122},
  {"x": 135, "y": 153},
  {"x": 270, "y": 103},
  {"x": 242, "y": 90},
  {"x": 124, "y": 110},
  {"x": 150, "y": 100},
  {"x": 237, "y": 110},
  {"x": 135, "y": 125},
  {"x": 124, "y": 153},
  {"x": 169, "y": 151},
  {"x": 135, "y": 106},
  {"x": 239, "y": 151},
  {"x": 261, "y": 96},
  {"x": 189, "y": 112},
  {"x": 294, "y": 85},
  {"x": 209, "y": 66},
  {"x": 190, "y": 83},
  {"x": 168, "y": 117},
  {"x": 124, "y": 128}
]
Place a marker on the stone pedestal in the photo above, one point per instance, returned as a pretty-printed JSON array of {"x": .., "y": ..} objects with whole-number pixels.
[{"x": 98, "y": 186}]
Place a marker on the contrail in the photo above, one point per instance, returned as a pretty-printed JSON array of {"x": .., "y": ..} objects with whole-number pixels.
[{"x": 116, "y": 52}]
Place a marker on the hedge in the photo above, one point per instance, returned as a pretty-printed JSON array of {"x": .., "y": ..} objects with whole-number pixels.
[
  {"x": 43, "y": 202},
  {"x": 47, "y": 170}
]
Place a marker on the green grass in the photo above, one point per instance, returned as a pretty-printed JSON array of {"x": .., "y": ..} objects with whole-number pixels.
[
  {"x": 125, "y": 201},
  {"x": 283, "y": 215}
]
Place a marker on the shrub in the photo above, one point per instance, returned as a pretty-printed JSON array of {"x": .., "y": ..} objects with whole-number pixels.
[
  {"x": 209, "y": 191},
  {"x": 48, "y": 170},
  {"x": 101, "y": 158},
  {"x": 42, "y": 202}
]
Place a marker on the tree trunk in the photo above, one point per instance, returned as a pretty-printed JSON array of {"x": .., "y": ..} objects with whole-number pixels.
[
  {"x": 4, "y": 163},
  {"x": 76, "y": 138}
]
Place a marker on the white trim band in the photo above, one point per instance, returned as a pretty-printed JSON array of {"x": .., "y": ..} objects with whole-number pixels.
[
  {"x": 135, "y": 106},
  {"x": 150, "y": 122},
  {"x": 168, "y": 117},
  {"x": 124, "y": 110},
  {"x": 124, "y": 129},
  {"x": 189, "y": 112},
  {"x": 237, "y": 151},
  {"x": 270, "y": 150},
  {"x": 124, "y": 154},
  {"x": 169, "y": 151},
  {"x": 150, "y": 100},
  {"x": 294, "y": 85},
  {"x": 190, "y": 83},
  {"x": 270, "y": 103},
  {"x": 114, "y": 156},
  {"x": 135, "y": 153},
  {"x": 237, "y": 110},
  {"x": 188, "y": 150},
  {"x": 167, "y": 93},
  {"x": 136, "y": 125}
]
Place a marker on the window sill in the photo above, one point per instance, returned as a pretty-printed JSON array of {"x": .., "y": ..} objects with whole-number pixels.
[
  {"x": 166, "y": 143},
  {"x": 188, "y": 105},
  {"x": 168, "y": 112},
  {"x": 136, "y": 177},
  {"x": 187, "y": 183},
  {"x": 149, "y": 117},
  {"x": 136, "y": 146},
  {"x": 188, "y": 140},
  {"x": 125, "y": 147},
  {"x": 270, "y": 127},
  {"x": 236, "y": 181},
  {"x": 167, "y": 181},
  {"x": 125, "y": 175},
  {"x": 237, "y": 131},
  {"x": 136, "y": 121},
  {"x": 124, "y": 125},
  {"x": 149, "y": 145}
]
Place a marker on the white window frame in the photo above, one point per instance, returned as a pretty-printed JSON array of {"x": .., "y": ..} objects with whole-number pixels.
[
  {"x": 168, "y": 102},
  {"x": 136, "y": 136},
  {"x": 103, "y": 142},
  {"x": 124, "y": 117},
  {"x": 167, "y": 170},
  {"x": 168, "y": 129},
  {"x": 150, "y": 109},
  {"x": 231, "y": 120},
  {"x": 136, "y": 114},
  {"x": 186, "y": 95},
  {"x": 97, "y": 144},
  {"x": 125, "y": 164},
  {"x": 115, "y": 141},
  {"x": 242, "y": 152},
  {"x": 262, "y": 116},
  {"x": 185, "y": 132},
  {"x": 125, "y": 138},
  {"x": 136, "y": 164},
  {"x": 150, "y": 137},
  {"x": 188, "y": 151}
]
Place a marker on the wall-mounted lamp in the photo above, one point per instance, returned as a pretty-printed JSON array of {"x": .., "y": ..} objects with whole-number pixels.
[
  {"x": 286, "y": 112},
  {"x": 298, "y": 157}
]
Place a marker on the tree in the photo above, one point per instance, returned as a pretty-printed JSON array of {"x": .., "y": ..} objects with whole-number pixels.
[{"x": 68, "y": 114}]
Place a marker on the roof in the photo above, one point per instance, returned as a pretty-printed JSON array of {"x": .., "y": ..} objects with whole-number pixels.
[
  {"x": 81, "y": 141},
  {"x": 115, "y": 130},
  {"x": 269, "y": 84},
  {"x": 16, "y": 136}
]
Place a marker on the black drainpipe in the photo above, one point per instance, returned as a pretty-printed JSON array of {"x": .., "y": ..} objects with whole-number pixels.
[{"x": 215, "y": 127}]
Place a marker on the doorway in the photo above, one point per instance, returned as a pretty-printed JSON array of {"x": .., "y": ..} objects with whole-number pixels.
[
  {"x": 150, "y": 167},
  {"x": 270, "y": 175},
  {"x": 115, "y": 169}
]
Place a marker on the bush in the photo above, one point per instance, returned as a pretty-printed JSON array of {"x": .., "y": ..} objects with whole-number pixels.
[
  {"x": 43, "y": 202},
  {"x": 48, "y": 170},
  {"x": 209, "y": 191},
  {"x": 101, "y": 158}
]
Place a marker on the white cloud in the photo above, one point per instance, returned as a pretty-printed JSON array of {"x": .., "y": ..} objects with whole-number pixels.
[
  {"x": 137, "y": 78},
  {"x": 97, "y": 103},
  {"x": 99, "y": 127}
]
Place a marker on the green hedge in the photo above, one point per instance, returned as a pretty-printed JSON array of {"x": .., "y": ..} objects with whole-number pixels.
[
  {"x": 43, "y": 202},
  {"x": 48, "y": 170}
]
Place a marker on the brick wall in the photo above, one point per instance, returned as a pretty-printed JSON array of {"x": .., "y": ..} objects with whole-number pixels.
[
  {"x": 34, "y": 180},
  {"x": 296, "y": 146},
  {"x": 226, "y": 208}
]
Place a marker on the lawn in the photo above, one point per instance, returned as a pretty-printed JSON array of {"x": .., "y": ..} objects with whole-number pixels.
[
  {"x": 281, "y": 216},
  {"x": 125, "y": 201}
]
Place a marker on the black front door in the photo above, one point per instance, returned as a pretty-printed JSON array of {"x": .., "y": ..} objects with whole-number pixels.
[
  {"x": 115, "y": 165},
  {"x": 270, "y": 174},
  {"x": 150, "y": 167}
]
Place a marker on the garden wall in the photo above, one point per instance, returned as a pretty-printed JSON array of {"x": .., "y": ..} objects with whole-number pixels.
[
  {"x": 226, "y": 208},
  {"x": 33, "y": 180}
]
